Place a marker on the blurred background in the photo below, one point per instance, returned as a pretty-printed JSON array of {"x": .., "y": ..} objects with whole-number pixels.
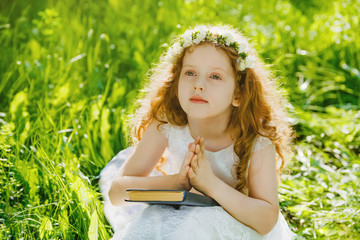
[{"x": 71, "y": 70}]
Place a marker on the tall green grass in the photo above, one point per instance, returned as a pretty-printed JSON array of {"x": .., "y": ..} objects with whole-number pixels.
[{"x": 71, "y": 70}]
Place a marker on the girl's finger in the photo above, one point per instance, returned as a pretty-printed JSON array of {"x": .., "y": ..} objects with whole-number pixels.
[
  {"x": 187, "y": 159},
  {"x": 191, "y": 173},
  {"x": 197, "y": 148},
  {"x": 202, "y": 145},
  {"x": 200, "y": 157},
  {"x": 196, "y": 141},
  {"x": 194, "y": 162},
  {"x": 187, "y": 156}
]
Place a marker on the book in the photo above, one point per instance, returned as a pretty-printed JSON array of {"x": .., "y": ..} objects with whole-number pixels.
[{"x": 169, "y": 197}]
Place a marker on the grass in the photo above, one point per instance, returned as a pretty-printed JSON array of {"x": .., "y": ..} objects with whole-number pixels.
[{"x": 70, "y": 72}]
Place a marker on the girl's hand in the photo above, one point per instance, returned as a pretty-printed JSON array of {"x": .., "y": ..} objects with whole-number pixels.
[
  {"x": 183, "y": 180},
  {"x": 201, "y": 174}
]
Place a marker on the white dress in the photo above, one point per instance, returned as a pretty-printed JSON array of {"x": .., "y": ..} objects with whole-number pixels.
[{"x": 141, "y": 221}]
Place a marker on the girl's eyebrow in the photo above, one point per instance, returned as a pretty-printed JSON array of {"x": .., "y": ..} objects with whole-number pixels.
[
  {"x": 188, "y": 65},
  {"x": 219, "y": 68}
]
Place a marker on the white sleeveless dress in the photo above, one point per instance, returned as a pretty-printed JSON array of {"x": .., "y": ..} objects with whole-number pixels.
[{"x": 141, "y": 221}]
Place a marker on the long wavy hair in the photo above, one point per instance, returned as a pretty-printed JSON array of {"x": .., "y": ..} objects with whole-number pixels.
[{"x": 261, "y": 111}]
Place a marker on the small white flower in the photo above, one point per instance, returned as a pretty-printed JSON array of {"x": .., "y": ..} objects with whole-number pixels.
[
  {"x": 200, "y": 37},
  {"x": 202, "y": 29},
  {"x": 169, "y": 57},
  {"x": 229, "y": 38},
  {"x": 242, "y": 65},
  {"x": 197, "y": 40},
  {"x": 250, "y": 60},
  {"x": 187, "y": 35},
  {"x": 202, "y": 33},
  {"x": 173, "y": 52},
  {"x": 177, "y": 49},
  {"x": 243, "y": 47},
  {"x": 187, "y": 43},
  {"x": 187, "y": 38}
]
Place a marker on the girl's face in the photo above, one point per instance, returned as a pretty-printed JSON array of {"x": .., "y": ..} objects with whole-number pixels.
[{"x": 206, "y": 83}]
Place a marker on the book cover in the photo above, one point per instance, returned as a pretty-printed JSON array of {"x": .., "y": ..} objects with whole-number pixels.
[{"x": 169, "y": 197}]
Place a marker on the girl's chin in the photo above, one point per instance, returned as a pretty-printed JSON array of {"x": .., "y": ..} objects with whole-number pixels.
[{"x": 199, "y": 115}]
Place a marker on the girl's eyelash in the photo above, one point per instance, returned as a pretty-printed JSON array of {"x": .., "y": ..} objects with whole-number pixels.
[
  {"x": 216, "y": 77},
  {"x": 189, "y": 73}
]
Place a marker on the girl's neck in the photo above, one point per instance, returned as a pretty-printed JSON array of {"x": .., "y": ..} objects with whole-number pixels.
[{"x": 214, "y": 131}]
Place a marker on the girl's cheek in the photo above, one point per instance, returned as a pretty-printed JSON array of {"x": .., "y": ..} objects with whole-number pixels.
[{"x": 188, "y": 79}]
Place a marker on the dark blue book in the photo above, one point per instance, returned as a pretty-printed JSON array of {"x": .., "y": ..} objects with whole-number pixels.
[{"x": 169, "y": 197}]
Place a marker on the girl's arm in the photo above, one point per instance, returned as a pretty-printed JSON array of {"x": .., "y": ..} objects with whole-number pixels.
[
  {"x": 135, "y": 171},
  {"x": 260, "y": 209}
]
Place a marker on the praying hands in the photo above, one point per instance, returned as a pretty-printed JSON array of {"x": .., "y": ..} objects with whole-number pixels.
[{"x": 200, "y": 172}]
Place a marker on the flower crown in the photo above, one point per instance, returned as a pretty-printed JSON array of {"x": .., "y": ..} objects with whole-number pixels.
[{"x": 199, "y": 35}]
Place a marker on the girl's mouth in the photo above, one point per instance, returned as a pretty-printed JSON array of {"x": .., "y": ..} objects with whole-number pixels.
[{"x": 197, "y": 99}]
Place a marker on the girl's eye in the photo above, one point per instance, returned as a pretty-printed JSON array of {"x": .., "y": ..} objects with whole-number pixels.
[
  {"x": 190, "y": 73},
  {"x": 216, "y": 77}
]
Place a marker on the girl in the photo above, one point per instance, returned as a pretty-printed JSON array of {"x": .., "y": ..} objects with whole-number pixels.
[{"x": 212, "y": 122}]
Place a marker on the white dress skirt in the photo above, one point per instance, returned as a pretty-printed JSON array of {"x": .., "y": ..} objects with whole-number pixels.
[{"x": 142, "y": 221}]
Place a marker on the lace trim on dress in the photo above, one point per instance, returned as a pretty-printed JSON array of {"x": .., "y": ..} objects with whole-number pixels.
[
  {"x": 260, "y": 143},
  {"x": 165, "y": 129}
]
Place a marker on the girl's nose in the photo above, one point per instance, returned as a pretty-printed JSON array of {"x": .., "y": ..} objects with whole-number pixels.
[{"x": 199, "y": 86}]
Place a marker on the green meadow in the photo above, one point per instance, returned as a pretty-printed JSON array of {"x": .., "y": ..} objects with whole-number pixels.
[{"x": 70, "y": 72}]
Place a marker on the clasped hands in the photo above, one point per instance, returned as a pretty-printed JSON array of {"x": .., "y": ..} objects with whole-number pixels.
[{"x": 196, "y": 170}]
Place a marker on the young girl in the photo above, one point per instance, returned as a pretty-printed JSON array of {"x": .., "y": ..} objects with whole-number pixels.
[{"x": 212, "y": 123}]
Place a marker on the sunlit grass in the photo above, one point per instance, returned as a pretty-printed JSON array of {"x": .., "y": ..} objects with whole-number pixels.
[{"x": 70, "y": 71}]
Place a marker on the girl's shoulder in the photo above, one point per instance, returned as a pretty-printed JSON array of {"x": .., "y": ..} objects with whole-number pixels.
[
  {"x": 165, "y": 129},
  {"x": 168, "y": 129},
  {"x": 260, "y": 143}
]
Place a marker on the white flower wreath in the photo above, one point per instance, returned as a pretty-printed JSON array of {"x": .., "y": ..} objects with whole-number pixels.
[{"x": 201, "y": 34}]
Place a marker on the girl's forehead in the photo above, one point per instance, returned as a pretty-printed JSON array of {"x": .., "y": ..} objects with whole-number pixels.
[{"x": 207, "y": 55}]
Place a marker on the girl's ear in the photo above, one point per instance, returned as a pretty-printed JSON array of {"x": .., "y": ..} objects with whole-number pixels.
[{"x": 236, "y": 102}]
